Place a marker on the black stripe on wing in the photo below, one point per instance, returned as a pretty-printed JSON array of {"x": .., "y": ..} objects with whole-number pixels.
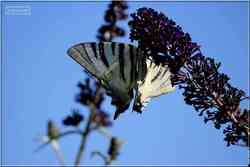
[
  {"x": 157, "y": 75},
  {"x": 113, "y": 46},
  {"x": 86, "y": 53},
  {"x": 121, "y": 60},
  {"x": 165, "y": 71},
  {"x": 133, "y": 65},
  {"x": 93, "y": 47},
  {"x": 102, "y": 54},
  {"x": 81, "y": 56},
  {"x": 79, "y": 53},
  {"x": 137, "y": 64},
  {"x": 141, "y": 65}
]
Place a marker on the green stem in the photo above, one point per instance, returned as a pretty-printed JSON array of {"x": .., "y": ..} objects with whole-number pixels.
[
  {"x": 108, "y": 161},
  {"x": 102, "y": 156},
  {"x": 85, "y": 135}
]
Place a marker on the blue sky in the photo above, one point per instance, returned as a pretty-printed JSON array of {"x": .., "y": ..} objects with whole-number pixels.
[{"x": 39, "y": 83}]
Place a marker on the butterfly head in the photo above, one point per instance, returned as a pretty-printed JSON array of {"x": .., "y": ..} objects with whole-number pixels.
[
  {"x": 120, "y": 108},
  {"x": 120, "y": 100}
]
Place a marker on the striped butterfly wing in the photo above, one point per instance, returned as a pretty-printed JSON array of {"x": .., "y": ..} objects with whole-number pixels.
[
  {"x": 157, "y": 82},
  {"x": 118, "y": 66},
  {"x": 91, "y": 56}
]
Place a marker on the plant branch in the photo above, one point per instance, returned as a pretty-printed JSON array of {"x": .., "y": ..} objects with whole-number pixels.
[
  {"x": 79, "y": 132},
  {"x": 85, "y": 135},
  {"x": 57, "y": 151},
  {"x": 104, "y": 132},
  {"x": 102, "y": 156}
]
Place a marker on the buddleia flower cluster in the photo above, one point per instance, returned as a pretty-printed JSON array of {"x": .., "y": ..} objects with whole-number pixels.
[
  {"x": 161, "y": 38},
  {"x": 92, "y": 96},
  {"x": 204, "y": 86},
  {"x": 115, "y": 13}
]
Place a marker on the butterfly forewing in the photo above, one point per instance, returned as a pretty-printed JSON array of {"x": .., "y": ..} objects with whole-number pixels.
[{"x": 117, "y": 65}]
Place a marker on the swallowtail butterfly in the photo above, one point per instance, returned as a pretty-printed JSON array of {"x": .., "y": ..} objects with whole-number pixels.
[{"x": 122, "y": 69}]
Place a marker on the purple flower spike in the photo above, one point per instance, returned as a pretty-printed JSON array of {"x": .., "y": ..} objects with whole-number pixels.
[
  {"x": 159, "y": 35},
  {"x": 205, "y": 88}
]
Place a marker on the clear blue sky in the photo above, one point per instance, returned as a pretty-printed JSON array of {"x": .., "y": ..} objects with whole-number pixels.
[{"x": 39, "y": 83}]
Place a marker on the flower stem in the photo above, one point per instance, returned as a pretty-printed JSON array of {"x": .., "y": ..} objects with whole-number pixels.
[
  {"x": 57, "y": 151},
  {"x": 108, "y": 161},
  {"x": 85, "y": 135}
]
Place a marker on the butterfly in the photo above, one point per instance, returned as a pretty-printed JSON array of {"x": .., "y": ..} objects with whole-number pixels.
[{"x": 123, "y": 70}]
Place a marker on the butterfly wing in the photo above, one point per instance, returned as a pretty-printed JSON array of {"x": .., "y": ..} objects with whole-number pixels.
[
  {"x": 115, "y": 65},
  {"x": 90, "y": 57},
  {"x": 156, "y": 83}
]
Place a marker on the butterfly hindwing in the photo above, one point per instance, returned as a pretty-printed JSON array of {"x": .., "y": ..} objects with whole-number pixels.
[{"x": 156, "y": 82}]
